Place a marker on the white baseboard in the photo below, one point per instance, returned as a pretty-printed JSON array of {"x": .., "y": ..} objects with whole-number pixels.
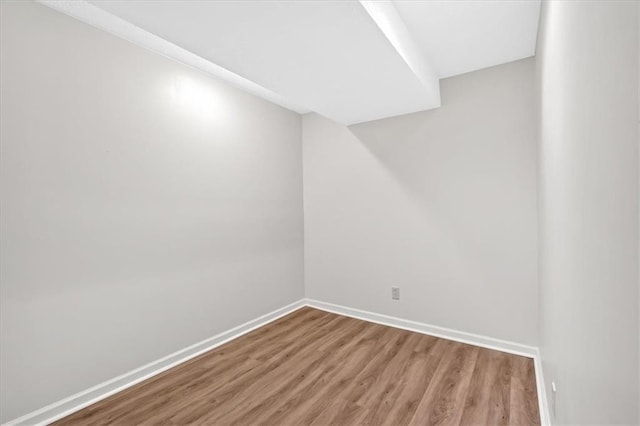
[
  {"x": 543, "y": 402},
  {"x": 83, "y": 399},
  {"x": 432, "y": 330},
  {"x": 446, "y": 333}
]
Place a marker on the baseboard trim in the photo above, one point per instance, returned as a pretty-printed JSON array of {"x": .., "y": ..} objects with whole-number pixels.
[
  {"x": 447, "y": 333},
  {"x": 432, "y": 330},
  {"x": 69, "y": 405},
  {"x": 543, "y": 402}
]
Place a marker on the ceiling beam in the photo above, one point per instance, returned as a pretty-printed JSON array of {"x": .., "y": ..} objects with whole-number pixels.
[
  {"x": 99, "y": 18},
  {"x": 387, "y": 18}
]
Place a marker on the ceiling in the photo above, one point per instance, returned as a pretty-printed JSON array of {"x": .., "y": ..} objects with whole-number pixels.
[
  {"x": 463, "y": 36},
  {"x": 347, "y": 60}
]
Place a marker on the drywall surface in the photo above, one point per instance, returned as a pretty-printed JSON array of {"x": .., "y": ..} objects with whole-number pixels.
[
  {"x": 587, "y": 57},
  {"x": 145, "y": 207},
  {"x": 441, "y": 204}
]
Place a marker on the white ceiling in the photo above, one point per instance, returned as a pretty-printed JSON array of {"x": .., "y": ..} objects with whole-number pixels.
[
  {"x": 349, "y": 61},
  {"x": 467, "y": 35}
]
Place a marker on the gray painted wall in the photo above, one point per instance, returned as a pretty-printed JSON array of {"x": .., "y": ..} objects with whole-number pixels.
[
  {"x": 588, "y": 79},
  {"x": 145, "y": 207},
  {"x": 441, "y": 204}
]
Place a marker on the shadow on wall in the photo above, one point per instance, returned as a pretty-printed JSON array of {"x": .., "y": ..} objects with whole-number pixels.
[
  {"x": 441, "y": 203},
  {"x": 469, "y": 169},
  {"x": 470, "y": 163}
]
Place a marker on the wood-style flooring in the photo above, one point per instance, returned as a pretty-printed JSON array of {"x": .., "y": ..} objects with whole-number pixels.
[{"x": 315, "y": 367}]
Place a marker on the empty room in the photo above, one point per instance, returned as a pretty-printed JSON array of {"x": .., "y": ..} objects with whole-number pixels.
[{"x": 319, "y": 212}]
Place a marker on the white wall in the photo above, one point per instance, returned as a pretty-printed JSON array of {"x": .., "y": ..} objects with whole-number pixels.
[
  {"x": 135, "y": 221},
  {"x": 441, "y": 204},
  {"x": 588, "y": 78}
]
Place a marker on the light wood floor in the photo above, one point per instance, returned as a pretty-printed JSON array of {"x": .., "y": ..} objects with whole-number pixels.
[{"x": 314, "y": 367}]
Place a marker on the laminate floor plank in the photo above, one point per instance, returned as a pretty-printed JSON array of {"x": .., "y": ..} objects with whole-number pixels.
[
  {"x": 523, "y": 397},
  {"x": 419, "y": 374},
  {"x": 280, "y": 377},
  {"x": 443, "y": 401},
  {"x": 299, "y": 401},
  {"x": 488, "y": 397},
  {"x": 317, "y": 368},
  {"x": 348, "y": 368},
  {"x": 361, "y": 391}
]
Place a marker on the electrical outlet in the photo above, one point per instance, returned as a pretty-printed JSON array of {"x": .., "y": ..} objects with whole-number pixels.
[
  {"x": 395, "y": 293},
  {"x": 554, "y": 393}
]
